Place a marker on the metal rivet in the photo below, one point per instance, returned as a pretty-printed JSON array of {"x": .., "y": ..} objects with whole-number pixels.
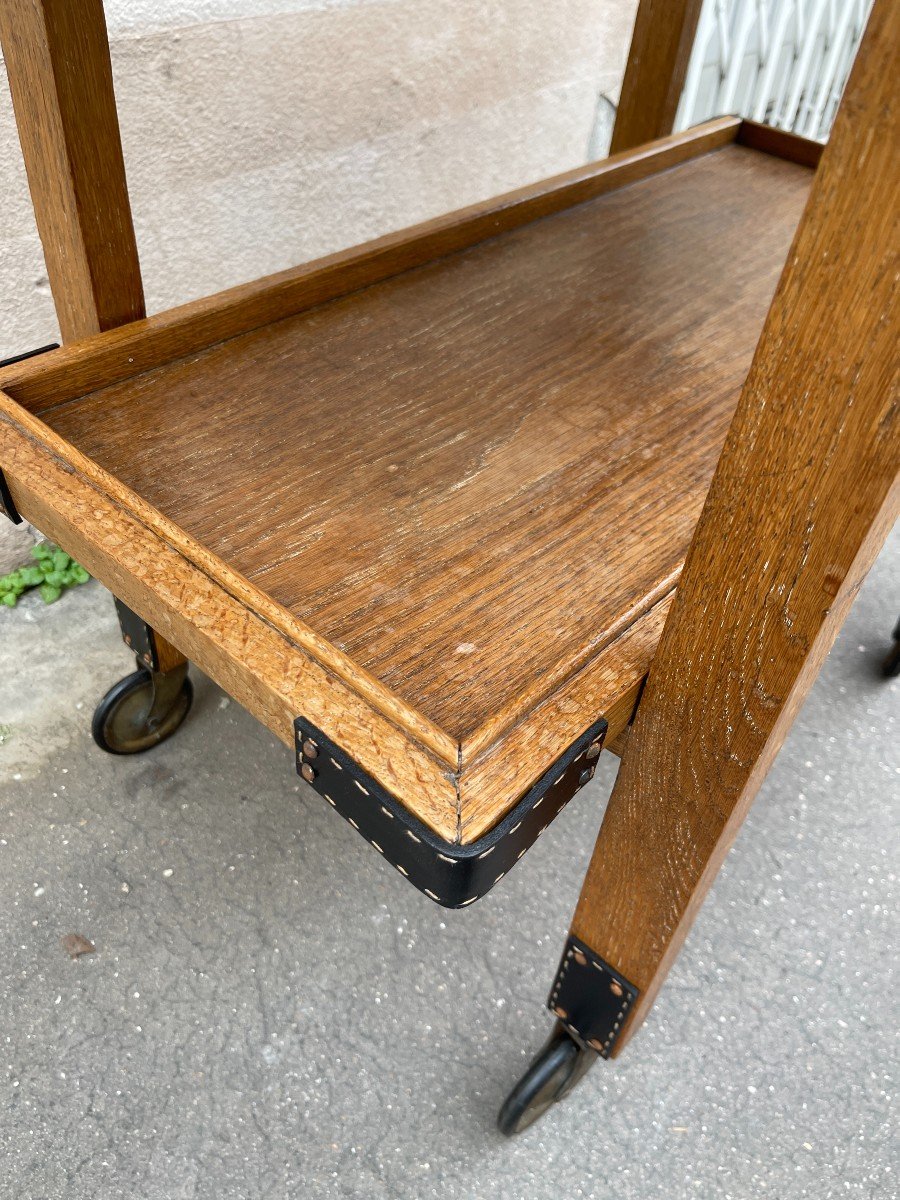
[
  {"x": 615, "y": 988},
  {"x": 310, "y": 749},
  {"x": 561, "y": 1013},
  {"x": 593, "y": 750},
  {"x": 586, "y": 776},
  {"x": 580, "y": 959},
  {"x": 307, "y": 772},
  {"x": 595, "y": 1045}
]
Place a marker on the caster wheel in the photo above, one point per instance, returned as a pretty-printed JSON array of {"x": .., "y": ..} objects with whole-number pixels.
[
  {"x": 142, "y": 710},
  {"x": 553, "y": 1073}
]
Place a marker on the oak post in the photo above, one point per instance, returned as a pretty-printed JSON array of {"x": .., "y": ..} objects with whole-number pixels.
[
  {"x": 804, "y": 493},
  {"x": 658, "y": 59},
  {"x": 60, "y": 78}
]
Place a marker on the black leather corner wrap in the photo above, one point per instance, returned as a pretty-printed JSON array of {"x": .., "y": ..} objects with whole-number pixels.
[
  {"x": 590, "y": 998},
  {"x": 451, "y": 874},
  {"x": 7, "y": 507}
]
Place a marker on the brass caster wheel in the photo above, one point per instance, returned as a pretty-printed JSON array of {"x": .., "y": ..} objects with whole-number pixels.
[
  {"x": 552, "y": 1074},
  {"x": 142, "y": 710}
]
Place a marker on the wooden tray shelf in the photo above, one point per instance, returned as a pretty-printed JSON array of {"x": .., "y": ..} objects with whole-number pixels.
[{"x": 433, "y": 494}]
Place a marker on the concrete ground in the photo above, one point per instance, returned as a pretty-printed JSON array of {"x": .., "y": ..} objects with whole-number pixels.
[{"x": 271, "y": 1011}]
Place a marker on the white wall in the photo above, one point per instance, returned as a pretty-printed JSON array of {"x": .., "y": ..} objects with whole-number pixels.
[{"x": 261, "y": 133}]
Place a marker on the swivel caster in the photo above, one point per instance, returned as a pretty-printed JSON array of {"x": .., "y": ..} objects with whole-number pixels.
[
  {"x": 142, "y": 710},
  {"x": 890, "y": 668},
  {"x": 552, "y": 1074}
]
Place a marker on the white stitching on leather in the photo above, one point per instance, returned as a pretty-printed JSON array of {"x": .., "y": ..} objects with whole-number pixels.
[{"x": 554, "y": 996}]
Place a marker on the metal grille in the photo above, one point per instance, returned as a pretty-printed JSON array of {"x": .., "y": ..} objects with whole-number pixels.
[{"x": 782, "y": 62}]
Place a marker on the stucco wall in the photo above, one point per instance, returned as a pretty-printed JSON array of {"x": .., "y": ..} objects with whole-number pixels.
[{"x": 260, "y": 133}]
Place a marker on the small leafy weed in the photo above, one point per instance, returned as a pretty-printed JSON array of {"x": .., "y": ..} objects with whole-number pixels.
[{"x": 54, "y": 571}]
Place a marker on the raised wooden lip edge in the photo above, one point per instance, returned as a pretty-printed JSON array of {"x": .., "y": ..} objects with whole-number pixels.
[
  {"x": 469, "y": 821},
  {"x": 466, "y": 227},
  {"x": 792, "y": 147},
  {"x": 381, "y": 698},
  {"x": 420, "y": 773},
  {"x": 483, "y": 741},
  {"x": 131, "y": 350}
]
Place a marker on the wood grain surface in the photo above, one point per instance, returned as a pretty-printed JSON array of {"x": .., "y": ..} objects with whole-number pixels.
[
  {"x": 473, "y": 477},
  {"x": 257, "y": 603},
  {"x": 806, "y": 489},
  {"x": 608, "y": 686},
  {"x": 255, "y": 663},
  {"x": 193, "y": 327}
]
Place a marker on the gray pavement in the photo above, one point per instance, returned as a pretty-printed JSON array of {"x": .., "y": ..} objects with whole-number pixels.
[{"x": 271, "y": 1011}]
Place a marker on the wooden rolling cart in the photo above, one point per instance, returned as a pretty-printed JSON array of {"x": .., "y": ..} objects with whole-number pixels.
[{"x": 422, "y": 506}]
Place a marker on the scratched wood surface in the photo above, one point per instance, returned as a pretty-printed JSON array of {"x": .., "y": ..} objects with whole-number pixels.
[
  {"x": 472, "y": 477},
  {"x": 264, "y": 670}
]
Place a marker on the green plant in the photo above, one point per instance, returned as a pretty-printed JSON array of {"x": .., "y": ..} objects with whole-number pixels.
[{"x": 52, "y": 573}]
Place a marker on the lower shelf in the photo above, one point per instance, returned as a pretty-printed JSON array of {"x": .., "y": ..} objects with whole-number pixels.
[{"x": 440, "y": 516}]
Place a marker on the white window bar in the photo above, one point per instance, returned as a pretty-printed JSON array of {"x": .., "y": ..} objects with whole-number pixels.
[{"x": 782, "y": 62}]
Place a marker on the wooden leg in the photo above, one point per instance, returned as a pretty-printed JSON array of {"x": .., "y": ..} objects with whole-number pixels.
[
  {"x": 658, "y": 59},
  {"x": 803, "y": 496},
  {"x": 60, "y": 78}
]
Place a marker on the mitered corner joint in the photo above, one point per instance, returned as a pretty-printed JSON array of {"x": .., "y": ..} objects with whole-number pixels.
[
  {"x": 590, "y": 998},
  {"x": 450, "y": 873}
]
